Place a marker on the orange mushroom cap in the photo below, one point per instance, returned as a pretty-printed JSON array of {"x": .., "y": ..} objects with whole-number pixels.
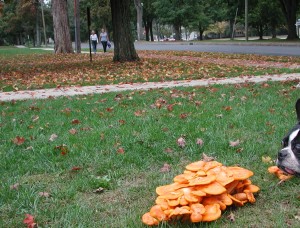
[
  {"x": 149, "y": 220},
  {"x": 212, "y": 212}
]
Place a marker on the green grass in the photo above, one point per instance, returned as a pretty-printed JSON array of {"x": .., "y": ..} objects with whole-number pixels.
[
  {"x": 12, "y": 52},
  {"x": 259, "y": 118}
]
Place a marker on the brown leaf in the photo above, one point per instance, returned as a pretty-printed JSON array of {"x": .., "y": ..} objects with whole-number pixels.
[
  {"x": 99, "y": 190},
  {"x": 75, "y": 121},
  {"x": 168, "y": 150},
  {"x": 75, "y": 168},
  {"x": 234, "y": 143},
  {"x": 170, "y": 107},
  {"x": 44, "y": 194},
  {"x": 183, "y": 115},
  {"x": 19, "y": 140},
  {"x": 207, "y": 158},
  {"x": 53, "y": 137},
  {"x": 227, "y": 108},
  {"x": 199, "y": 142},
  {"x": 120, "y": 150},
  {"x": 181, "y": 142},
  {"x": 166, "y": 168},
  {"x": 73, "y": 131},
  {"x": 29, "y": 221},
  {"x": 14, "y": 186},
  {"x": 35, "y": 118}
]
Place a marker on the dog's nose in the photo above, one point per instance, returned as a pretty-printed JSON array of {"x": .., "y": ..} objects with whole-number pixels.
[{"x": 282, "y": 154}]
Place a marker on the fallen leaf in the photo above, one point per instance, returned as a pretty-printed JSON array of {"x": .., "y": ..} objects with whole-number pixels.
[
  {"x": 239, "y": 150},
  {"x": 181, "y": 142},
  {"x": 29, "y": 221},
  {"x": 44, "y": 194},
  {"x": 170, "y": 107},
  {"x": 183, "y": 115},
  {"x": 63, "y": 149},
  {"x": 73, "y": 131},
  {"x": 168, "y": 150},
  {"x": 207, "y": 158},
  {"x": 199, "y": 142},
  {"x": 14, "y": 186},
  {"x": 166, "y": 168},
  {"x": 227, "y": 108},
  {"x": 53, "y": 137},
  {"x": 266, "y": 159},
  {"x": 234, "y": 143},
  {"x": 35, "y": 118},
  {"x": 98, "y": 190},
  {"x": 122, "y": 122},
  {"x": 75, "y": 168},
  {"x": 120, "y": 150},
  {"x": 75, "y": 121},
  {"x": 19, "y": 140}
]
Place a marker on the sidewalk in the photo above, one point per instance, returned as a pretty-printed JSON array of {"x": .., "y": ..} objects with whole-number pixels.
[{"x": 77, "y": 90}]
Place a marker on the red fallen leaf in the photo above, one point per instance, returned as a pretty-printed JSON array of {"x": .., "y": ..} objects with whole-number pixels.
[
  {"x": 120, "y": 150},
  {"x": 181, "y": 142},
  {"x": 75, "y": 121},
  {"x": 166, "y": 168},
  {"x": 14, "y": 186},
  {"x": 170, "y": 107},
  {"x": 63, "y": 149},
  {"x": 122, "y": 122},
  {"x": 199, "y": 142},
  {"x": 183, "y": 115},
  {"x": 76, "y": 168},
  {"x": 168, "y": 150},
  {"x": 239, "y": 150},
  {"x": 234, "y": 143},
  {"x": 139, "y": 112},
  {"x": 227, "y": 108},
  {"x": 198, "y": 103},
  {"x": 73, "y": 131},
  {"x": 29, "y": 221},
  {"x": 44, "y": 194},
  {"x": 109, "y": 109},
  {"x": 19, "y": 140}
]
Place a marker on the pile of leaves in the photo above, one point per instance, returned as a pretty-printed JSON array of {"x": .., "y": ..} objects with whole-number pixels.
[{"x": 201, "y": 193}]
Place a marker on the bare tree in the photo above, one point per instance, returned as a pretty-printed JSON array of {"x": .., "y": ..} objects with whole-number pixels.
[
  {"x": 124, "y": 49},
  {"x": 62, "y": 36}
]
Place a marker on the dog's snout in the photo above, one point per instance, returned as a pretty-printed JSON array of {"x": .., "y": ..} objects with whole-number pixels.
[{"x": 282, "y": 154}]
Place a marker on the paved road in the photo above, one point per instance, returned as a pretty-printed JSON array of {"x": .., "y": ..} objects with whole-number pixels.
[{"x": 277, "y": 49}]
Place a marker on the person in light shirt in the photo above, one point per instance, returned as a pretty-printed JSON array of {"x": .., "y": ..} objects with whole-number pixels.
[
  {"x": 104, "y": 39},
  {"x": 94, "y": 40}
]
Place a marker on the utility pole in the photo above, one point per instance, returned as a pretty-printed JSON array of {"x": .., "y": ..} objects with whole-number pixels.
[{"x": 246, "y": 20}]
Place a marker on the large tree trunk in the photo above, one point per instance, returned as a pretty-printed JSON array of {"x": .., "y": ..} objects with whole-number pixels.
[
  {"x": 139, "y": 17},
  {"x": 289, "y": 8},
  {"x": 151, "y": 30},
  {"x": 123, "y": 42},
  {"x": 62, "y": 36},
  {"x": 177, "y": 31}
]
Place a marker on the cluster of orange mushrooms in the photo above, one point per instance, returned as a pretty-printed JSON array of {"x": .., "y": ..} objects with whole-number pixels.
[{"x": 201, "y": 193}]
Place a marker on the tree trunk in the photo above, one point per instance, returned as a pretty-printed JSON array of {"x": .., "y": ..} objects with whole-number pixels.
[
  {"x": 139, "y": 18},
  {"x": 123, "y": 42},
  {"x": 151, "y": 30},
  {"x": 77, "y": 26},
  {"x": 289, "y": 8},
  {"x": 177, "y": 32},
  {"x": 62, "y": 36},
  {"x": 147, "y": 30}
]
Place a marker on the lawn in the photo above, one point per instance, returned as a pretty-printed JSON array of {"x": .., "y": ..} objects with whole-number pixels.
[
  {"x": 56, "y": 153},
  {"x": 40, "y": 70}
]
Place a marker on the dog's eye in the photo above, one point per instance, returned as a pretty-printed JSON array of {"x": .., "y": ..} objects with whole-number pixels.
[{"x": 297, "y": 146}]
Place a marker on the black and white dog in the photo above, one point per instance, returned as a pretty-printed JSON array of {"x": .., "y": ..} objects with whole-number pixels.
[{"x": 288, "y": 158}]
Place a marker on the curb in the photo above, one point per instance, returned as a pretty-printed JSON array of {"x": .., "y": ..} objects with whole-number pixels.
[{"x": 78, "y": 90}]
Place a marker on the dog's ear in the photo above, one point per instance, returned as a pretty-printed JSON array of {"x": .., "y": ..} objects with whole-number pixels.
[{"x": 298, "y": 109}]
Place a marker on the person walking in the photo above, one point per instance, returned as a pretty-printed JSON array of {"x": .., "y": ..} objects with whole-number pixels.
[
  {"x": 94, "y": 39},
  {"x": 104, "y": 39}
]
